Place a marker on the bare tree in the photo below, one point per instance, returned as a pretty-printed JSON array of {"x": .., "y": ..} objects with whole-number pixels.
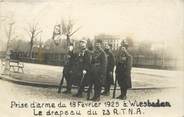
[
  {"x": 9, "y": 34},
  {"x": 67, "y": 28},
  {"x": 9, "y": 31},
  {"x": 8, "y": 23},
  {"x": 33, "y": 32}
]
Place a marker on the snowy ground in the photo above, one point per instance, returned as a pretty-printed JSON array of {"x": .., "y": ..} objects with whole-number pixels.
[{"x": 150, "y": 85}]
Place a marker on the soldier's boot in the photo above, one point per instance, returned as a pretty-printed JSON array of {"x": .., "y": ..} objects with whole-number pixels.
[
  {"x": 68, "y": 87},
  {"x": 89, "y": 91},
  {"x": 79, "y": 94},
  {"x": 95, "y": 98},
  {"x": 124, "y": 93},
  {"x": 105, "y": 93},
  {"x": 121, "y": 95},
  {"x": 124, "y": 98},
  {"x": 59, "y": 91}
]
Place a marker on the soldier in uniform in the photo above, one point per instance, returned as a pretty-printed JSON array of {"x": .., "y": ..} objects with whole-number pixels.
[
  {"x": 98, "y": 70},
  {"x": 123, "y": 69},
  {"x": 110, "y": 68},
  {"x": 68, "y": 65},
  {"x": 83, "y": 67}
]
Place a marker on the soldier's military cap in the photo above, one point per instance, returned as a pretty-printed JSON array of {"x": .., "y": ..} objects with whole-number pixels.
[
  {"x": 124, "y": 43},
  {"x": 83, "y": 40}
]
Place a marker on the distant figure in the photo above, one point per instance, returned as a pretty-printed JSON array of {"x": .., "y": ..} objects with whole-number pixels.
[
  {"x": 82, "y": 69},
  {"x": 68, "y": 67},
  {"x": 98, "y": 70},
  {"x": 110, "y": 68},
  {"x": 123, "y": 69}
]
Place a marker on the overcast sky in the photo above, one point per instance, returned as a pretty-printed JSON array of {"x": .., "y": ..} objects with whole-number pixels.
[{"x": 141, "y": 19}]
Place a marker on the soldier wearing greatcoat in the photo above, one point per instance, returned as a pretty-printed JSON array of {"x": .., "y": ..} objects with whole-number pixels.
[
  {"x": 83, "y": 66},
  {"x": 69, "y": 60},
  {"x": 123, "y": 69},
  {"x": 110, "y": 68},
  {"x": 98, "y": 69}
]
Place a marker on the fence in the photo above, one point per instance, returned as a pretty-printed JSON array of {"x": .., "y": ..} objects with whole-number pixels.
[
  {"x": 58, "y": 59},
  {"x": 44, "y": 58},
  {"x": 154, "y": 62}
]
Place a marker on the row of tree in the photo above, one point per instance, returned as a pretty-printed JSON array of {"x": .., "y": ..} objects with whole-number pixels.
[
  {"x": 61, "y": 38},
  {"x": 141, "y": 48}
]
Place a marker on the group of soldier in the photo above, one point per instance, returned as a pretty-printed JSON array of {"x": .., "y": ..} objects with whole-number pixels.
[{"x": 95, "y": 68}]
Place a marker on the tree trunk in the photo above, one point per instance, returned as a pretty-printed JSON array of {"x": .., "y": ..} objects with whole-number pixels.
[
  {"x": 31, "y": 48},
  {"x": 68, "y": 40}
]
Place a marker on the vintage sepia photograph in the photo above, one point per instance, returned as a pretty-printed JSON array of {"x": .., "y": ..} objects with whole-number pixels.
[{"x": 80, "y": 58}]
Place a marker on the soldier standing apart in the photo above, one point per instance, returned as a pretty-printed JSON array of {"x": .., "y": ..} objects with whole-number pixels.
[
  {"x": 98, "y": 70},
  {"x": 110, "y": 68},
  {"x": 67, "y": 71},
  {"x": 84, "y": 63},
  {"x": 123, "y": 69}
]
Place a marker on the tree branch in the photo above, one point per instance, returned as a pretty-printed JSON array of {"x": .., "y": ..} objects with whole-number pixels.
[{"x": 75, "y": 31}]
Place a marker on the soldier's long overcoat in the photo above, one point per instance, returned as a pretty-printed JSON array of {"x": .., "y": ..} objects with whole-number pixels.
[
  {"x": 82, "y": 62},
  {"x": 123, "y": 69},
  {"x": 110, "y": 65},
  {"x": 69, "y": 60},
  {"x": 99, "y": 65}
]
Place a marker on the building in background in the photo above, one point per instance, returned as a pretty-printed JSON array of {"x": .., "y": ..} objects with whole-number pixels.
[{"x": 113, "y": 39}]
